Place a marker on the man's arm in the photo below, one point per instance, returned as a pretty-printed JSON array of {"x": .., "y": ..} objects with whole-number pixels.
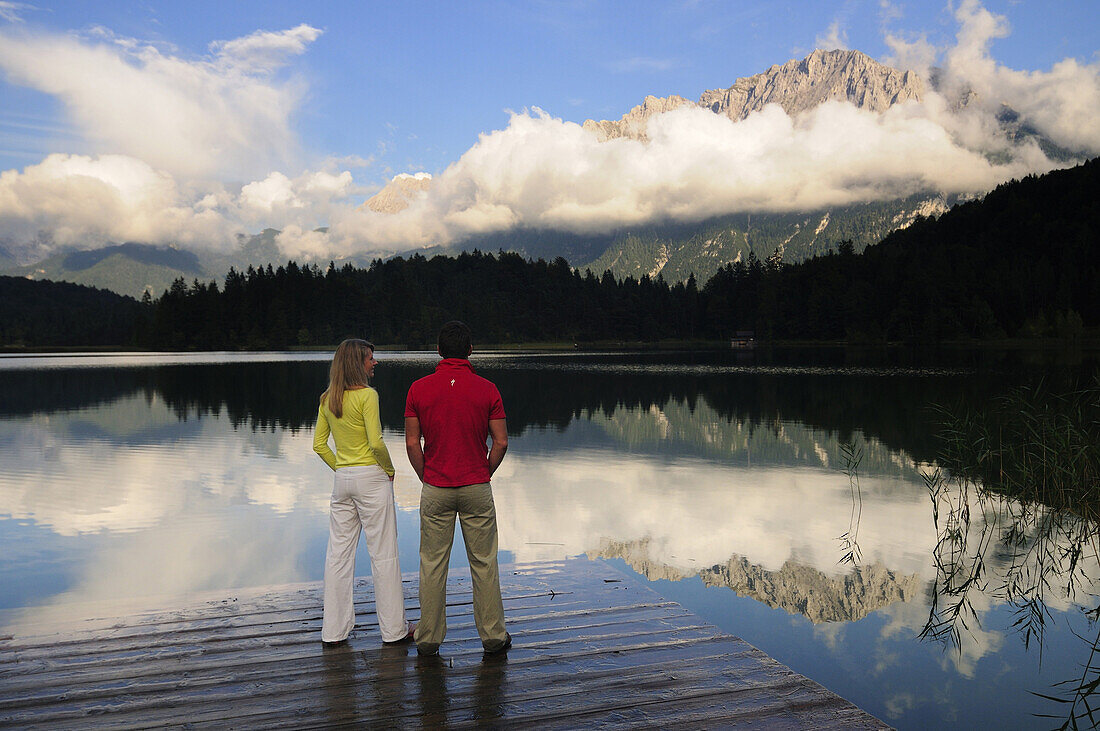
[
  {"x": 413, "y": 446},
  {"x": 498, "y": 431}
]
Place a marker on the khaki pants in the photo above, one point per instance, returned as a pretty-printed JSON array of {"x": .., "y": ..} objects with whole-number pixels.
[{"x": 473, "y": 504}]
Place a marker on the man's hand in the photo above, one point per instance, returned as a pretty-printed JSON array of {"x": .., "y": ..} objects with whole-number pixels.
[
  {"x": 413, "y": 447},
  {"x": 498, "y": 432}
]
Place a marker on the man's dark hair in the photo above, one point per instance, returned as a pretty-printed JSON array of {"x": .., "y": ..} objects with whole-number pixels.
[{"x": 454, "y": 340}]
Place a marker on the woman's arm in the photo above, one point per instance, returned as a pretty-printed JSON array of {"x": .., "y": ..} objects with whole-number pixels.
[
  {"x": 320, "y": 439},
  {"x": 372, "y": 421}
]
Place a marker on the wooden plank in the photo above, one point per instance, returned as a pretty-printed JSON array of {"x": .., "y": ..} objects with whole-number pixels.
[
  {"x": 516, "y": 680},
  {"x": 60, "y": 635},
  {"x": 591, "y": 649},
  {"x": 177, "y": 624},
  {"x": 170, "y": 648},
  {"x": 461, "y": 643},
  {"x": 34, "y": 688},
  {"x": 216, "y": 605},
  {"x": 443, "y": 697},
  {"x": 459, "y": 683}
]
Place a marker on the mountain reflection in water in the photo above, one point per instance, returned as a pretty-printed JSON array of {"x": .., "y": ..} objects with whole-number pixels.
[
  {"x": 126, "y": 485},
  {"x": 795, "y": 588}
]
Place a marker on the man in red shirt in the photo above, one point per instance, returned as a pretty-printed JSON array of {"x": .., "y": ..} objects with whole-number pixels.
[{"x": 455, "y": 411}]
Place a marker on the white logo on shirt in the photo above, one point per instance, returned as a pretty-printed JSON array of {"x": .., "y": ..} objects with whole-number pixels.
[{"x": 452, "y": 381}]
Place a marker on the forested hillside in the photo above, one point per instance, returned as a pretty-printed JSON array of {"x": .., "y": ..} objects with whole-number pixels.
[
  {"x": 676, "y": 251},
  {"x": 506, "y": 297},
  {"x": 59, "y": 313},
  {"x": 1023, "y": 262},
  {"x": 128, "y": 269}
]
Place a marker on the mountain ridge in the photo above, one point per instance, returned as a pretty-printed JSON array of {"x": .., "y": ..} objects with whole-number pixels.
[
  {"x": 1020, "y": 263},
  {"x": 673, "y": 250},
  {"x": 797, "y": 86}
]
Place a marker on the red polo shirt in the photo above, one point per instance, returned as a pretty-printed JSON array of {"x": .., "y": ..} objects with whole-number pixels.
[{"x": 454, "y": 406}]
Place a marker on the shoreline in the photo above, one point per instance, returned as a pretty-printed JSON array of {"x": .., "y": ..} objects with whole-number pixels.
[{"x": 1089, "y": 344}]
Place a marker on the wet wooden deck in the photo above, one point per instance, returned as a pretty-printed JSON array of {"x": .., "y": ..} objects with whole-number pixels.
[{"x": 592, "y": 649}]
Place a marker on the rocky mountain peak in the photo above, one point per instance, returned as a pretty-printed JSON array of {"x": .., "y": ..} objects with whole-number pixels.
[
  {"x": 397, "y": 193},
  {"x": 633, "y": 123},
  {"x": 796, "y": 86}
]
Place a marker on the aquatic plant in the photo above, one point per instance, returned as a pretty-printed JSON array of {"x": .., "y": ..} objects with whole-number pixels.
[
  {"x": 1015, "y": 503},
  {"x": 849, "y": 540},
  {"x": 1030, "y": 444}
]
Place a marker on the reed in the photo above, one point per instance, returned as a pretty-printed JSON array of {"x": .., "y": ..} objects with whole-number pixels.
[
  {"x": 1017, "y": 488},
  {"x": 849, "y": 540},
  {"x": 1031, "y": 445}
]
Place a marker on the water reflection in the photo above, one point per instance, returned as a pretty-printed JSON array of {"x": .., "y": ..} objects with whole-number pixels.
[
  {"x": 183, "y": 507},
  {"x": 689, "y": 515},
  {"x": 130, "y": 485},
  {"x": 795, "y": 588},
  {"x": 1034, "y": 559},
  {"x": 549, "y": 391}
]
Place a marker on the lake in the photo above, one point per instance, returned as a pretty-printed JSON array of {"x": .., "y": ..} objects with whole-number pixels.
[{"x": 780, "y": 495}]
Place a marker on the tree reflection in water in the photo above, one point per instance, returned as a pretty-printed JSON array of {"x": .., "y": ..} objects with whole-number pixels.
[{"x": 743, "y": 444}]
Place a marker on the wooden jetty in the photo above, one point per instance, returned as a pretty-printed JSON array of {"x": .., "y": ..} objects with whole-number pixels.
[{"x": 592, "y": 649}]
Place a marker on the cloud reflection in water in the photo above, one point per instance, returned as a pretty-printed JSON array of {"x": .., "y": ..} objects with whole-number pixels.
[{"x": 147, "y": 489}]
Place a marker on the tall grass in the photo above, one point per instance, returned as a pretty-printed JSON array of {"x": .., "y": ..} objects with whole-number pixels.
[
  {"x": 849, "y": 541},
  {"x": 1019, "y": 486},
  {"x": 1031, "y": 445}
]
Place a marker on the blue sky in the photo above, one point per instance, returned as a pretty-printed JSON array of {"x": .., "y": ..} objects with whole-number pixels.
[
  {"x": 373, "y": 89},
  {"x": 413, "y": 83}
]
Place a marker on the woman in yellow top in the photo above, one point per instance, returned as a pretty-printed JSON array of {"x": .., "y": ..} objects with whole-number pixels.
[{"x": 362, "y": 497}]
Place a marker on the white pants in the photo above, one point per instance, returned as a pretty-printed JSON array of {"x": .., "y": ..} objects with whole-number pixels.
[{"x": 362, "y": 500}]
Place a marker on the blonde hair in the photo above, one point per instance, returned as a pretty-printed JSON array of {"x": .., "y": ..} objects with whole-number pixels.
[{"x": 347, "y": 370}]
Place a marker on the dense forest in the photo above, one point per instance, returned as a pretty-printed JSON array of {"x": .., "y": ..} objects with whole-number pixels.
[
  {"x": 1022, "y": 262},
  {"x": 60, "y": 313}
]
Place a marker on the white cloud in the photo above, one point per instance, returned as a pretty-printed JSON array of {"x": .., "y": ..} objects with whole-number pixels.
[
  {"x": 264, "y": 51},
  {"x": 84, "y": 200},
  {"x": 644, "y": 63},
  {"x": 545, "y": 172},
  {"x": 911, "y": 55},
  {"x": 1063, "y": 103},
  {"x": 306, "y": 201},
  {"x": 835, "y": 38},
  {"x": 298, "y": 243},
  {"x": 348, "y": 161},
  {"x": 889, "y": 12},
  {"x": 12, "y": 12},
  {"x": 274, "y": 190},
  {"x": 542, "y": 171},
  {"x": 226, "y": 116},
  {"x": 177, "y": 125},
  {"x": 326, "y": 185}
]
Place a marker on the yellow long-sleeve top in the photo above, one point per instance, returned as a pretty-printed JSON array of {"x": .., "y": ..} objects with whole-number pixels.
[{"x": 358, "y": 433}]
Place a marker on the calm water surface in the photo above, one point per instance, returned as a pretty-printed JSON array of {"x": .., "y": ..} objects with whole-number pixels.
[{"x": 720, "y": 479}]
